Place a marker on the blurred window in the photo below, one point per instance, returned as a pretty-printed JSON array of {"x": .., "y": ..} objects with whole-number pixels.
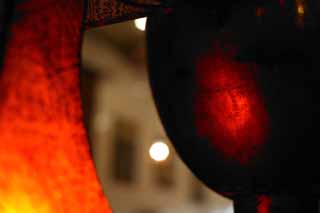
[
  {"x": 88, "y": 80},
  {"x": 124, "y": 147},
  {"x": 197, "y": 191},
  {"x": 146, "y": 211},
  {"x": 163, "y": 173}
]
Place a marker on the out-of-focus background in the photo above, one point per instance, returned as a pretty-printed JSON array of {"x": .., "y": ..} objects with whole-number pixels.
[{"x": 137, "y": 166}]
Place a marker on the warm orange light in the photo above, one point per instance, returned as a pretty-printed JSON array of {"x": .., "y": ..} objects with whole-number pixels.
[
  {"x": 300, "y": 9},
  {"x": 45, "y": 166}
]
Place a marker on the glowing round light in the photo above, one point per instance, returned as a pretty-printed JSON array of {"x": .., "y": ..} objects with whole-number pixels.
[
  {"x": 159, "y": 151},
  {"x": 140, "y": 23}
]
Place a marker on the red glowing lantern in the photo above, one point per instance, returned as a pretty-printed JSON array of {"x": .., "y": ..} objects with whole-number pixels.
[
  {"x": 235, "y": 89},
  {"x": 229, "y": 109}
]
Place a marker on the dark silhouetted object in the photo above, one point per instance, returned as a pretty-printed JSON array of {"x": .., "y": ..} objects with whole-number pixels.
[{"x": 236, "y": 87}]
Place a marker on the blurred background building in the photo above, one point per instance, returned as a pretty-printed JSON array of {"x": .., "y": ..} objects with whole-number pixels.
[{"x": 139, "y": 169}]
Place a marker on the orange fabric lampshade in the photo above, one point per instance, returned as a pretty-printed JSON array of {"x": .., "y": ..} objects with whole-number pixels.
[{"x": 45, "y": 165}]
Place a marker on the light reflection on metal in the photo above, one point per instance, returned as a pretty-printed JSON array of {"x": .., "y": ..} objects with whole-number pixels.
[{"x": 140, "y": 23}]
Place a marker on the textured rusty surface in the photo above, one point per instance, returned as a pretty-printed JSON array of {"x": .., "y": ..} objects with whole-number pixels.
[{"x": 104, "y": 12}]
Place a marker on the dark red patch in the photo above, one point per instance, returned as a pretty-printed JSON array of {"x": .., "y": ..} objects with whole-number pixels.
[
  {"x": 264, "y": 203},
  {"x": 229, "y": 108}
]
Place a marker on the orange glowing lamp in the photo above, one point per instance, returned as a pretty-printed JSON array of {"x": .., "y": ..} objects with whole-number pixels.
[{"x": 45, "y": 166}]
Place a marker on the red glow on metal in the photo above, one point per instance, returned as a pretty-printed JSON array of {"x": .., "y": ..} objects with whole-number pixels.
[
  {"x": 45, "y": 164},
  {"x": 168, "y": 11},
  {"x": 260, "y": 11},
  {"x": 229, "y": 109},
  {"x": 282, "y": 2},
  {"x": 264, "y": 203}
]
